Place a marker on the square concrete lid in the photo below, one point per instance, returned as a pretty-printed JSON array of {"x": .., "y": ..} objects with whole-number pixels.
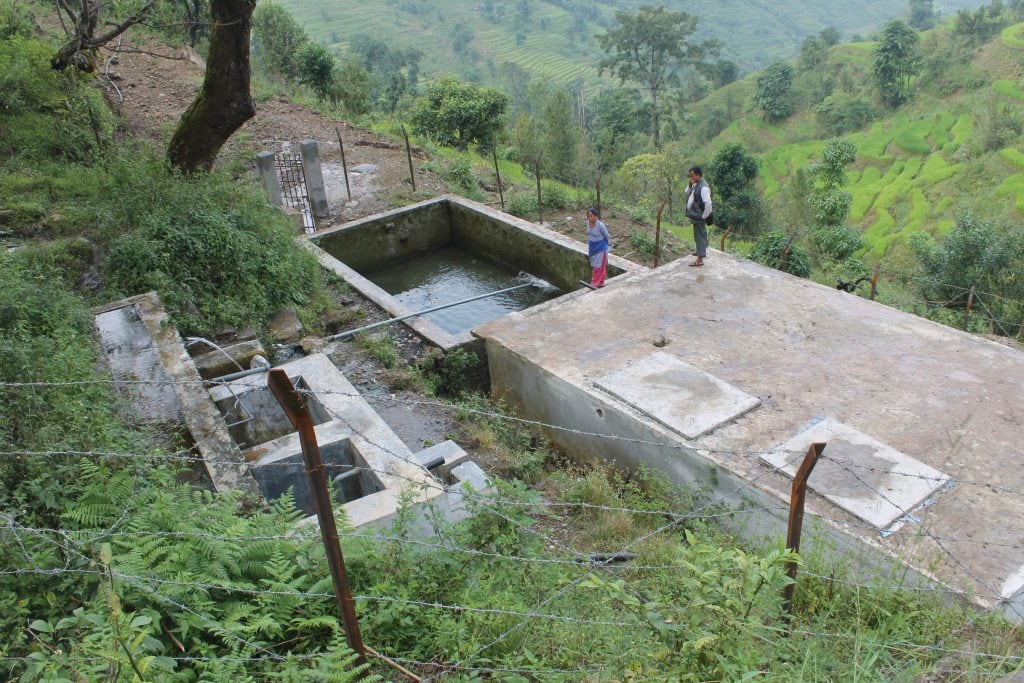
[
  {"x": 680, "y": 396},
  {"x": 860, "y": 474}
]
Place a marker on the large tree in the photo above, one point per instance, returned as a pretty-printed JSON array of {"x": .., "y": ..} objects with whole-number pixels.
[
  {"x": 224, "y": 102},
  {"x": 896, "y": 62},
  {"x": 651, "y": 47}
]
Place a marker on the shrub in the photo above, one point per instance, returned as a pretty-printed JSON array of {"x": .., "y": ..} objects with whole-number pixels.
[
  {"x": 768, "y": 251},
  {"x": 839, "y": 113},
  {"x": 211, "y": 247},
  {"x": 450, "y": 373},
  {"x": 524, "y": 204},
  {"x": 642, "y": 243},
  {"x": 838, "y": 242}
]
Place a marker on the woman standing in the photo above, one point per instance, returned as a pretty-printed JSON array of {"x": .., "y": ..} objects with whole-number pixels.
[{"x": 598, "y": 241}]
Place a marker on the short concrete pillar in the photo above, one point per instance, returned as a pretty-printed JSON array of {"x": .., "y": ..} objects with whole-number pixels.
[
  {"x": 314, "y": 178},
  {"x": 268, "y": 172}
]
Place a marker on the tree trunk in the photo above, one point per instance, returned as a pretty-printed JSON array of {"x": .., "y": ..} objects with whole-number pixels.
[
  {"x": 654, "y": 119},
  {"x": 223, "y": 103}
]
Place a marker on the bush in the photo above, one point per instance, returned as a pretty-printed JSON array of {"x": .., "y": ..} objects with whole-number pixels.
[
  {"x": 450, "y": 373},
  {"x": 554, "y": 196},
  {"x": 460, "y": 177},
  {"x": 13, "y": 20},
  {"x": 211, "y": 247},
  {"x": 838, "y": 242},
  {"x": 840, "y": 113},
  {"x": 642, "y": 243},
  {"x": 768, "y": 251}
]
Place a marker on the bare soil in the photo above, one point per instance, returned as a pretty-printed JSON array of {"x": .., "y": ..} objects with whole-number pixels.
[{"x": 152, "y": 91}]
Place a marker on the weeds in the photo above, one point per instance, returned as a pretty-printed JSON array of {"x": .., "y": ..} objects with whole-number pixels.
[{"x": 381, "y": 347}]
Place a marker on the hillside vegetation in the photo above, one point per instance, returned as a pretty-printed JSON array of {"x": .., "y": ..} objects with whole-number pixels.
[
  {"x": 554, "y": 39},
  {"x": 121, "y": 563},
  {"x": 956, "y": 146}
]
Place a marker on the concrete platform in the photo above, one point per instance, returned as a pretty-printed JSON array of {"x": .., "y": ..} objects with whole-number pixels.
[{"x": 951, "y": 401}]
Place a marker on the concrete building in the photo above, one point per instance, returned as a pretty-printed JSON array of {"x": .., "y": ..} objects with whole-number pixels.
[{"x": 722, "y": 376}]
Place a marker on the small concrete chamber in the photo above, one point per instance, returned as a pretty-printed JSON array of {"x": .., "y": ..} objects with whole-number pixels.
[{"x": 448, "y": 249}]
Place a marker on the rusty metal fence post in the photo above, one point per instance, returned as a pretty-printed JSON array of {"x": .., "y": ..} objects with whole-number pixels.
[
  {"x": 540, "y": 198},
  {"x": 657, "y": 234},
  {"x": 874, "y": 281},
  {"x": 344, "y": 166},
  {"x": 497, "y": 176},
  {"x": 796, "y": 519},
  {"x": 408, "y": 154},
  {"x": 725, "y": 236},
  {"x": 295, "y": 408},
  {"x": 967, "y": 309}
]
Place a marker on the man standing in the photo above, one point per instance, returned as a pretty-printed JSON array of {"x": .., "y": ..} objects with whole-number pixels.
[{"x": 698, "y": 208}]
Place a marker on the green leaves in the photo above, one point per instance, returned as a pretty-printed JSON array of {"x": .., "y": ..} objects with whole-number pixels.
[
  {"x": 459, "y": 114},
  {"x": 896, "y": 61},
  {"x": 774, "y": 95}
]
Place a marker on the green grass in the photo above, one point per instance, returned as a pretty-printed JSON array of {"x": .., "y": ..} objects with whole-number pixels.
[
  {"x": 1008, "y": 88},
  {"x": 1013, "y": 36},
  {"x": 911, "y": 142},
  {"x": 1013, "y": 187},
  {"x": 962, "y": 129},
  {"x": 1014, "y": 157},
  {"x": 874, "y": 143}
]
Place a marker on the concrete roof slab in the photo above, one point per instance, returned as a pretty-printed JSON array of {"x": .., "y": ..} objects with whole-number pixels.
[
  {"x": 860, "y": 474},
  {"x": 680, "y": 396}
]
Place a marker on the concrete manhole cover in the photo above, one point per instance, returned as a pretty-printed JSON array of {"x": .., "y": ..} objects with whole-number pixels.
[
  {"x": 863, "y": 476},
  {"x": 680, "y": 396}
]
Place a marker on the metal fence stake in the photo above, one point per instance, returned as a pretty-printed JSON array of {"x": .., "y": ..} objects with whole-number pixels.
[
  {"x": 408, "y": 154},
  {"x": 344, "y": 166},
  {"x": 967, "y": 309},
  {"x": 295, "y": 408},
  {"x": 540, "y": 206},
  {"x": 796, "y": 520},
  {"x": 725, "y": 236},
  {"x": 657, "y": 234},
  {"x": 497, "y": 175}
]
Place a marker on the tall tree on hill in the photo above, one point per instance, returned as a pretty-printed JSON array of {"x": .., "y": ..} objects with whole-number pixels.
[
  {"x": 896, "y": 61},
  {"x": 651, "y": 47},
  {"x": 922, "y": 14},
  {"x": 276, "y": 38},
  {"x": 223, "y": 102},
  {"x": 774, "y": 94}
]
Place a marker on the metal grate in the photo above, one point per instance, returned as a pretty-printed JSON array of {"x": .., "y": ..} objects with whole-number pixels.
[{"x": 292, "y": 178}]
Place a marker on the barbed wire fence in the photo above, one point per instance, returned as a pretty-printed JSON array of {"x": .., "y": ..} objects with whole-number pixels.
[{"x": 78, "y": 544}]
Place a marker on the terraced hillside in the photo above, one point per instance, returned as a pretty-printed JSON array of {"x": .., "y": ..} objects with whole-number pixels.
[
  {"x": 553, "y": 39},
  {"x": 917, "y": 167}
]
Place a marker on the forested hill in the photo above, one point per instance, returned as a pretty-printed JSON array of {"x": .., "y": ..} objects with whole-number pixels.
[{"x": 554, "y": 39}]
